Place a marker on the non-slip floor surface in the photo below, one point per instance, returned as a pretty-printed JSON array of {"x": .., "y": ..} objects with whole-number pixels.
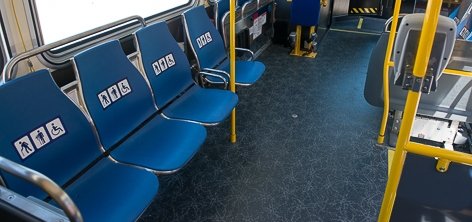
[{"x": 305, "y": 147}]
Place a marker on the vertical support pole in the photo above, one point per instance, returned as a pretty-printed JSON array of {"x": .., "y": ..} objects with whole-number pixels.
[
  {"x": 296, "y": 50},
  {"x": 232, "y": 61},
  {"x": 422, "y": 57},
  {"x": 391, "y": 39},
  {"x": 312, "y": 29},
  {"x": 311, "y": 48}
]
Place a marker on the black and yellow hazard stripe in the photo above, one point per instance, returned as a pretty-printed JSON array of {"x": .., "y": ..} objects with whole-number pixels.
[{"x": 363, "y": 10}]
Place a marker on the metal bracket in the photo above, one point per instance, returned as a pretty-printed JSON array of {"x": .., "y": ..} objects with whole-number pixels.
[
  {"x": 416, "y": 84},
  {"x": 442, "y": 165}
]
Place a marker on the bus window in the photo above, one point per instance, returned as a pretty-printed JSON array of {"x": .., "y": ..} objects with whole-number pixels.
[{"x": 75, "y": 16}]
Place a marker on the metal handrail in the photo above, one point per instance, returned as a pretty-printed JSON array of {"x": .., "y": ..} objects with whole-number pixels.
[
  {"x": 7, "y": 71},
  {"x": 403, "y": 143},
  {"x": 46, "y": 184}
]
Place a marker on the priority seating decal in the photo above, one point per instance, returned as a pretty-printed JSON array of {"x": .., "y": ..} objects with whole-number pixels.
[
  {"x": 114, "y": 93},
  {"x": 163, "y": 63},
  {"x": 204, "y": 39},
  {"x": 39, "y": 137}
]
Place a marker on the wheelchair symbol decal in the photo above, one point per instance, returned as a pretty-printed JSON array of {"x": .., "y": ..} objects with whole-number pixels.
[
  {"x": 170, "y": 60},
  {"x": 55, "y": 128},
  {"x": 124, "y": 86}
]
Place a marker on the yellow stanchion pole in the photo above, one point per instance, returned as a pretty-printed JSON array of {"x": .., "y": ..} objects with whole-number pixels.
[
  {"x": 232, "y": 60},
  {"x": 387, "y": 64},
  {"x": 422, "y": 56}
]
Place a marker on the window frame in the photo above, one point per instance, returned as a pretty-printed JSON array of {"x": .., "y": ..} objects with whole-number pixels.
[
  {"x": 59, "y": 57},
  {"x": 5, "y": 52}
]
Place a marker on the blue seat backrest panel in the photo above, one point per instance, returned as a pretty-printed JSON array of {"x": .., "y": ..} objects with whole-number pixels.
[
  {"x": 205, "y": 39},
  {"x": 305, "y": 12},
  {"x": 164, "y": 62},
  {"x": 222, "y": 6},
  {"x": 117, "y": 96},
  {"x": 44, "y": 130}
]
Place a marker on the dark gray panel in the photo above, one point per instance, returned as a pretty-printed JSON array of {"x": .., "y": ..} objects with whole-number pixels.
[{"x": 425, "y": 194}]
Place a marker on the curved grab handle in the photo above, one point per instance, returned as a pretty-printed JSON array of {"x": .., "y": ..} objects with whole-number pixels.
[
  {"x": 6, "y": 75},
  {"x": 46, "y": 184}
]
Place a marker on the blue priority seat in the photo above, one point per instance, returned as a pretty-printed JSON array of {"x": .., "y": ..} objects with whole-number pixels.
[
  {"x": 168, "y": 72},
  {"x": 119, "y": 100},
  {"x": 44, "y": 130},
  {"x": 208, "y": 48}
]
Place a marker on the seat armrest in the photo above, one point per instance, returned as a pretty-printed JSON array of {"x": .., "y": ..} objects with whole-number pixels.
[
  {"x": 217, "y": 71},
  {"x": 46, "y": 184},
  {"x": 203, "y": 74},
  {"x": 247, "y": 50}
]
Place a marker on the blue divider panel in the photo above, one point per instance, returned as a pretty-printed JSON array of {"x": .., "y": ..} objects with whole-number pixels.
[{"x": 305, "y": 12}]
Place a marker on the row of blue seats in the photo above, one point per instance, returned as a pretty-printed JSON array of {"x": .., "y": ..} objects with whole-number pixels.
[{"x": 131, "y": 126}]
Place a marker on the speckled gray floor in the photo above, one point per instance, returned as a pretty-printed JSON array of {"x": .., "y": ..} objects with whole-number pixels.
[{"x": 305, "y": 147}]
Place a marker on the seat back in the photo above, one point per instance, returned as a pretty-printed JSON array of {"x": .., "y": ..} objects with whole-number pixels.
[
  {"x": 205, "y": 41},
  {"x": 406, "y": 45},
  {"x": 450, "y": 101},
  {"x": 220, "y": 8},
  {"x": 113, "y": 91},
  {"x": 305, "y": 12},
  {"x": 165, "y": 64},
  {"x": 44, "y": 130},
  {"x": 225, "y": 25}
]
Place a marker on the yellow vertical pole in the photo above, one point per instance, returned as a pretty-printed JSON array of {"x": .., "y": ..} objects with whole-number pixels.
[
  {"x": 232, "y": 60},
  {"x": 391, "y": 39},
  {"x": 422, "y": 56},
  {"x": 298, "y": 40}
]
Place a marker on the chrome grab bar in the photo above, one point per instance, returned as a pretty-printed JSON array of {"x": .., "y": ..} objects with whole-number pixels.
[
  {"x": 46, "y": 184},
  {"x": 7, "y": 71}
]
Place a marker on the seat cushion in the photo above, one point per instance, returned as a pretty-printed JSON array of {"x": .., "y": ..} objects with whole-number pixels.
[
  {"x": 162, "y": 145},
  {"x": 247, "y": 72},
  {"x": 113, "y": 192},
  {"x": 208, "y": 106}
]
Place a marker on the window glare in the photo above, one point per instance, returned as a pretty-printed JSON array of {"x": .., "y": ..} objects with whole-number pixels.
[{"x": 60, "y": 19}]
